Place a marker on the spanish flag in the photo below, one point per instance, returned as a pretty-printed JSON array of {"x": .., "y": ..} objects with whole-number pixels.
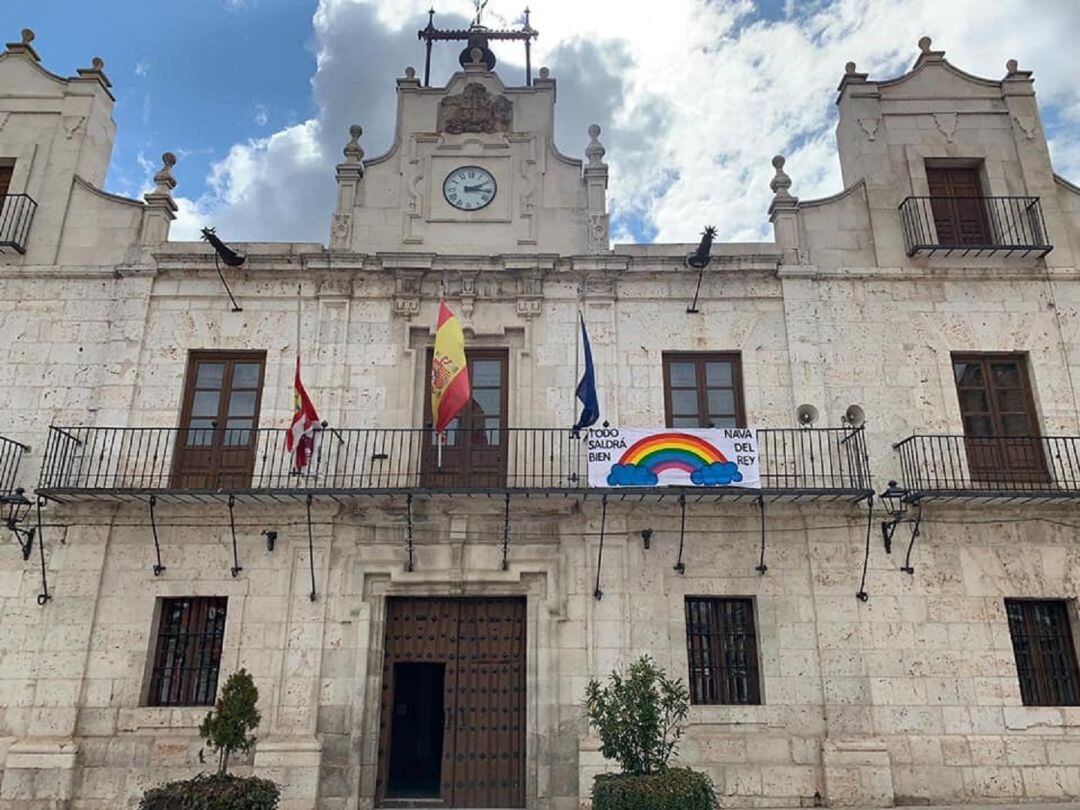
[{"x": 450, "y": 389}]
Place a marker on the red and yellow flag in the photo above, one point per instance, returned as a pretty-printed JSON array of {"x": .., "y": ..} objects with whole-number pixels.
[{"x": 450, "y": 389}]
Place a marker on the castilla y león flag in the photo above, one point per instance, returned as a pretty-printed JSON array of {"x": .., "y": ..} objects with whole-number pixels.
[
  {"x": 302, "y": 438},
  {"x": 449, "y": 376}
]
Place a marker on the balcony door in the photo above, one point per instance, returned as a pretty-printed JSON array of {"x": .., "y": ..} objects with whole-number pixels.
[
  {"x": 5, "y": 181},
  {"x": 216, "y": 442},
  {"x": 956, "y": 200},
  {"x": 475, "y": 452},
  {"x": 703, "y": 390},
  {"x": 1001, "y": 429}
]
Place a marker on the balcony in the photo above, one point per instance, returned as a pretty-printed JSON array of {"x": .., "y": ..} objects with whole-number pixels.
[
  {"x": 16, "y": 214},
  {"x": 11, "y": 453},
  {"x": 89, "y": 463},
  {"x": 978, "y": 226},
  {"x": 1014, "y": 469}
]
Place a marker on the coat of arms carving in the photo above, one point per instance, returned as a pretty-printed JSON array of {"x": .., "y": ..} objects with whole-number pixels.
[{"x": 475, "y": 110}]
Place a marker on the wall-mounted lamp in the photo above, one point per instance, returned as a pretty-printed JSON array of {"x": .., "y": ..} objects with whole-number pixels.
[
  {"x": 646, "y": 538},
  {"x": 271, "y": 538},
  {"x": 18, "y": 507},
  {"x": 896, "y": 501}
]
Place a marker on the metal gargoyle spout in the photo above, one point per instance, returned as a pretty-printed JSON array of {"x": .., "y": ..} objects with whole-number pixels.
[
  {"x": 227, "y": 254},
  {"x": 700, "y": 257}
]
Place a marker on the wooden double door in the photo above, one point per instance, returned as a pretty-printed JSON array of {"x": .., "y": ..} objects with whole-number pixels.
[
  {"x": 958, "y": 206},
  {"x": 218, "y": 436},
  {"x": 452, "y": 724},
  {"x": 475, "y": 450},
  {"x": 1001, "y": 429}
]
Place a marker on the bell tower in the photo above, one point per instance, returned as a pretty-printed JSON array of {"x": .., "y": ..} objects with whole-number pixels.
[{"x": 473, "y": 167}]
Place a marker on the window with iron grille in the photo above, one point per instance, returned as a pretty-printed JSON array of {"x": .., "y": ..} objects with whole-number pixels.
[
  {"x": 1045, "y": 658},
  {"x": 187, "y": 657},
  {"x": 721, "y": 647}
]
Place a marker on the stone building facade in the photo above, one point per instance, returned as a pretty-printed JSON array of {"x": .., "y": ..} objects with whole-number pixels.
[{"x": 171, "y": 546}]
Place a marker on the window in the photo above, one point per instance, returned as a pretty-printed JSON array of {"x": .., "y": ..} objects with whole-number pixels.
[
  {"x": 1045, "y": 659},
  {"x": 187, "y": 657},
  {"x": 721, "y": 646},
  {"x": 216, "y": 443},
  {"x": 957, "y": 202},
  {"x": 998, "y": 413},
  {"x": 703, "y": 390},
  {"x": 5, "y": 180}
]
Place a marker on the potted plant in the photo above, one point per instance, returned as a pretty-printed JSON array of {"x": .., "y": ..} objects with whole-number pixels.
[
  {"x": 640, "y": 719},
  {"x": 226, "y": 729}
]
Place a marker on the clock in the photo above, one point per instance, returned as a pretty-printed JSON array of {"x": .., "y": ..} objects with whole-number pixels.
[{"x": 469, "y": 188}]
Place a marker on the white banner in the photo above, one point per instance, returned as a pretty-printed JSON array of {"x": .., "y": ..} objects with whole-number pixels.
[{"x": 682, "y": 457}]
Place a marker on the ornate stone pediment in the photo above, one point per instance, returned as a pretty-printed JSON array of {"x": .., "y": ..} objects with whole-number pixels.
[{"x": 475, "y": 110}]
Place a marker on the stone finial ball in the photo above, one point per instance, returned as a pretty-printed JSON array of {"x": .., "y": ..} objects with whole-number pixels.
[
  {"x": 476, "y": 55},
  {"x": 849, "y": 68},
  {"x": 27, "y": 36},
  {"x": 924, "y": 44},
  {"x": 168, "y": 159},
  {"x": 97, "y": 63},
  {"x": 1012, "y": 65},
  {"x": 778, "y": 162},
  {"x": 594, "y": 131},
  {"x": 356, "y": 130},
  {"x": 410, "y": 72},
  {"x": 544, "y": 73}
]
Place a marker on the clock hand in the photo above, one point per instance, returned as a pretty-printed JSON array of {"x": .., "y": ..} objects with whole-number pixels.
[{"x": 475, "y": 188}]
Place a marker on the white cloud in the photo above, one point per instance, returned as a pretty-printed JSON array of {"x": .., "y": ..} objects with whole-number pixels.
[
  {"x": 142, "y": 68},
  {"x": 262, "y": 115},
  {"x": 694, "y": 98}
]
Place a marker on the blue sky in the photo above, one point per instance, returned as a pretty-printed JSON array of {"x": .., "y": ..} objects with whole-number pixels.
[
  {"x": 694, "y": 96},
  {"x": 188, "y": 76}
]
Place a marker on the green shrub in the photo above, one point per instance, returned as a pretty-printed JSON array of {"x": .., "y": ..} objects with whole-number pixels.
[
  {"x": 213, "y": 792},
  {"x": 671, "y": 789},
  {"x": 639, "y": 718},
  {"x": 226, "y": 726}
]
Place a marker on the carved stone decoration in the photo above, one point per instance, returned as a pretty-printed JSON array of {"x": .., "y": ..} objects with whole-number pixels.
[
  {"x": 529, "y": 307},
  {"x": 413, "y": 213},
  {"x": 407, "y": 295},
  {"x": 598, "y": 288},
  {"x": 468, "y": 297},
  {"x": 72, "y": 124},
  {"x": 1027, "y": 125},
  {"x": 475, "y": 110},
  {"x": 945, "y": 122},
  {"x": 353, "y": 152},
  {"x": 530, "y": 296},
  {"x": 595, "y": 151},
  {"x": 341, "y": 231},
  {"x": 780, "y": 182},
  {"x": 405, "y": 307},
  {"x": 598, "y": 233},
  {"x": 870, "y": 127}
]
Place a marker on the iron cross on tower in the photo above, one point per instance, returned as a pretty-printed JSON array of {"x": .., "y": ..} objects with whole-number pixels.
[{"x": 480, "y": 5}]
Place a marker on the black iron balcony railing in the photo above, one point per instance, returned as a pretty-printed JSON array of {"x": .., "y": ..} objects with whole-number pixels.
[
  {"x": 11, "y": 453},
  {"x": 1012, "y": 468},
  {"x": 121, "y": 463},
  {"x": 974, "y": 225},
  {"x": 16, "y": 214}
]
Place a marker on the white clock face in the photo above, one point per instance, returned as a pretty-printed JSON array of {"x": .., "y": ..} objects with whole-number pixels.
[{"x": 469, "y": 188}]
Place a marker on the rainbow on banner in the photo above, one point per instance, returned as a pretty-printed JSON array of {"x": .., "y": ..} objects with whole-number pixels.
[{"x": 704, "y": 458}]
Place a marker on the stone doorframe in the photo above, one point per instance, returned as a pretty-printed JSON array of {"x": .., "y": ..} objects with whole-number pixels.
[{"x": 539, "y": 586}]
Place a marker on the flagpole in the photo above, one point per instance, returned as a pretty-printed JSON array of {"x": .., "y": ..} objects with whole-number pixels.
[
  {"x": 577, "y": 362},
  {"x": 298, "y": 294}
]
